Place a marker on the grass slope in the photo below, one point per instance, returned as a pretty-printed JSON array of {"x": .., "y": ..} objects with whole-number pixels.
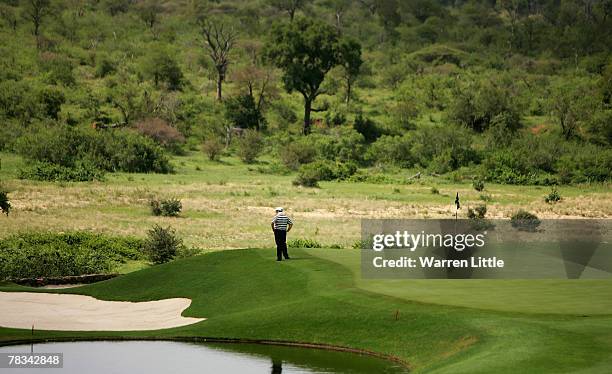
[
  {"x": 246, "y": 294},
  {"x": 583, "y": 297}
]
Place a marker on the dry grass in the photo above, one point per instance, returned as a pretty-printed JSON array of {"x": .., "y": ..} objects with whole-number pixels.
[{"x": 226, "y": 205}]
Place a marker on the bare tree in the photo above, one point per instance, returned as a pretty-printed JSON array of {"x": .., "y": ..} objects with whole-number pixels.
[
  {"x": 35, "y": 11},
  {"x": 219, "y": 40}
]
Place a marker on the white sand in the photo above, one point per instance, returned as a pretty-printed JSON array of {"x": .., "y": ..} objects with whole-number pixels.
[{"x": 49, "y": 311}]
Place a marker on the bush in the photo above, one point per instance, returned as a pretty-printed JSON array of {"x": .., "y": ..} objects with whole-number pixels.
[
  {"x": 250, "y": 146},
  {"x": 478, "y": 212},
  {"x": 434, "y": 191},
  {"x": 24, "y": 101},
  {"x": 166, "y": 208},
  {"x": 307, "y": 177},
  {"x": 161, "y": 132},
  {"x": 161, "y": 67},
  {"x": 340, "y": 144},
  {"x": 478, "y": 185},
  {"x": 241, "y": 111},
  {"x": 32, "y": 255},
  {"x": 162, "y": 244},
  {"x": 367, "y": 128},
  {"x": 525, "y": 221},
  {"x": 5, "y": 204},
  {"x": 548, "y": 160},
  {"x": 109, "y": 150},
  {"x": 394, "y": 150},
  {"x": 212, "y": 148},
  {"x": 57, "y": 69},
  {"x": 104, "y": 66},
  {"x": 284, "y": 111},
  {"x": 297, "y": 153},
  {"x": 443, "y": 148},
  {"x": 599, "y": 128},
  {"x": 303, "y": 243},
  {"x": 480, "y": 104},
  {"x": 44, "y": 171},
  {"x": 553, "y": 196},
  {"x": 310, "y": 174}
]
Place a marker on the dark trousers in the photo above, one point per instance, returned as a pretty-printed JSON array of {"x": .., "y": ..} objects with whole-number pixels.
[{"x": 280, "y": 237}]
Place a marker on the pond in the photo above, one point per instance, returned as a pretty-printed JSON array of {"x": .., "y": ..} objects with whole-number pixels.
[{"x": 151, "y": 357}]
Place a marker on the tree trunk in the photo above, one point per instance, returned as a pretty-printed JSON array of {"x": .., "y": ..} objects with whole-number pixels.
[
  {"x": 307, "y": 110},
  {"x": 348, "y": 91},
  {"x": 219, "y": 86}
]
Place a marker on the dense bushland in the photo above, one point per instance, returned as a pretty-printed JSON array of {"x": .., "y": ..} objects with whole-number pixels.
[
  {"x": 68, "y": 153},
  {"x": 30, "y": 255},
  {"x": 507, "y": 92}
]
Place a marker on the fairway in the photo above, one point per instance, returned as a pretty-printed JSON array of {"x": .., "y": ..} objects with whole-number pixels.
[{"x": 315, "y": 300}]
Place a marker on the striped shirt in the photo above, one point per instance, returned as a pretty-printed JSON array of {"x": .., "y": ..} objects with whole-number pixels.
[{"x": 281, "y": 221}]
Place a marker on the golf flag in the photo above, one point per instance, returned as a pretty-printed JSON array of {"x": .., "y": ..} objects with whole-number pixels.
[{"x": 457, "y": 201}]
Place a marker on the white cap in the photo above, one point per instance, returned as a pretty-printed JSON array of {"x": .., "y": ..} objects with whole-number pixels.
[{"x": 279, "y": 209}]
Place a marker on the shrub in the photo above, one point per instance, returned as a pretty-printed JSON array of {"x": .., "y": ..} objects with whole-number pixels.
[
  {"x": 308, "y": 177},
  {"x": 5, "y": 204},
  {"x": 212, "y": 148},
  {"x": 478, "y": 184},
  {"x": 435, "y": 191},
  {"x": 44, "y": 171},
  {"x": 322, "y": 170},
  {"x": 57, "y": 69},
  {"x": 104, "y": 66},
  {"x": 241, "y": 111},
  {"x": 161, "y": 67},
  {"x": 599, "y": 130},
  {"x": 285, "y": 112},
  {"x": 486, "y": 198},
  {"x": 335, "y": 118},
  {"x": 553, "y": 196},
  {"x": 162, "y": 133},
  {"x": 297, "y": 153},
  {"x": 250, "y": 146},
  {"x": 25, "y": 101},
  {"x": 32, "y": 255},
  {"x": 548, "y": 160},
  {"x": 394, "y": 150},
  {"x": 480, "y": 104},
  {"x": 478, "y": 212},
  {"x": 367, "y": 128},
  {"x": 525, "y": 221},
  {"x": 303, "y": 243},
  {"x": 443, "y": 148},
  {"x": 109, "y": 150},
  {"x": 166, "y": 207},
  {"x": 162, "y": 244},
  {"x": 340, "y": 144}
]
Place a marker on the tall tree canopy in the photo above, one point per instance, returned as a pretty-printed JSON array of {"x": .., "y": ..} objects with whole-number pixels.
[{"x": 306, "y": 51}]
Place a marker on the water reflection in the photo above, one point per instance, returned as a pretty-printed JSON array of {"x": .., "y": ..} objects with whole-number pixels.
[{"x": 153, "y": 357}]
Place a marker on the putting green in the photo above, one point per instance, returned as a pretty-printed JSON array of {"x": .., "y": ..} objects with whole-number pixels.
[
  {"x": 246, "y": 294},
  {"x": 560, "y": 296}
]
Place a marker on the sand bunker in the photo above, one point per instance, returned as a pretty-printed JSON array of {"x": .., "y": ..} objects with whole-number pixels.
[{"x": 49, "y": 311}]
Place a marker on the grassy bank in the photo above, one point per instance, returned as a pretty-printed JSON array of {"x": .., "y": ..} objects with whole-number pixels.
[{"x": 245, "y": 294}]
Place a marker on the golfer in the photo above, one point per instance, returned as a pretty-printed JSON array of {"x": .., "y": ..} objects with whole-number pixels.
[{"x": 281, "y": 225}]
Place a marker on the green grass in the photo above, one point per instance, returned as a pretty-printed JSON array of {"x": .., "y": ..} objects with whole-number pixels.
[
  {"x": 584, "y": 297},
  {"x": 245, "y": 294}
]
